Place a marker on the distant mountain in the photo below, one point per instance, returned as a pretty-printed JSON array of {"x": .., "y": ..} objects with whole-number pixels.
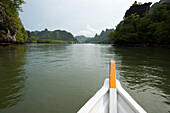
[
  {"x": 102, "y": 38},
  {"x": 81, "y": 38},
  {"x": 54, "y": 35},
  {"x": 152, "y": 7}
]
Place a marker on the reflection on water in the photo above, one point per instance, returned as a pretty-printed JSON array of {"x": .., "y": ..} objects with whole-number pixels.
[
  {"x": 144, "y": 72},
  {"x": 12, "y": 75},
  {"x": 53, "y": 78}
]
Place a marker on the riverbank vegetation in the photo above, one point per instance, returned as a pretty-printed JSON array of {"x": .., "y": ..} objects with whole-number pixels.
[
  {"x": 11, "y": 28},
  {"x": 54, "y": 41},
  {"x": 144, "y": 29}
]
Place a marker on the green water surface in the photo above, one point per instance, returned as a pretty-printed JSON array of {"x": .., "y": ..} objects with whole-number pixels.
[{"x": 53, "y": 78}]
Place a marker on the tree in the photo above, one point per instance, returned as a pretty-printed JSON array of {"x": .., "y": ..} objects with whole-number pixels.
[
  {"x": 150, "y": 30},
  {"x": 11, "y": 27}
]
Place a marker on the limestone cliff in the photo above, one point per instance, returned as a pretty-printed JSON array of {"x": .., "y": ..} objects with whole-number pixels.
[
  {"x": 138, "y": 9},
  {"x": 11, "y": 28}
]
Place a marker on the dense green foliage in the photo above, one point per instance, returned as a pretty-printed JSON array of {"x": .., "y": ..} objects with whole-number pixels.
[
  {"x": 155, "y": 4},
  {"x": 54, "y": 41},
  {"x": 102, "y": 38},
  {"x": 150, "y": 30},
  {"x": 54, "y": 35},
  {"x": 11, "y": 28}
]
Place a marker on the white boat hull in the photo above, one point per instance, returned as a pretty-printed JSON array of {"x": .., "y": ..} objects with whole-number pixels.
[{"x": 99, "y": 103}]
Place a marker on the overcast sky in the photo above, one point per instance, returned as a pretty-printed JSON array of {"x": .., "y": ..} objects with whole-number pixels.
[{"x": 80, "y": 17}]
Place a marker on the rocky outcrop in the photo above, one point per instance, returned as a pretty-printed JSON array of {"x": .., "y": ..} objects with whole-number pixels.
[
  {"x": 6, "y": 34},
  {"x": 138, "y": 9},
  {"x": 11, "y": 37},
  {"x": 11, "y": 28}
]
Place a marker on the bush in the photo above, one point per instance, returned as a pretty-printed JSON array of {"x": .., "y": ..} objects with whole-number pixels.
[{"x": 54, "y": 41}]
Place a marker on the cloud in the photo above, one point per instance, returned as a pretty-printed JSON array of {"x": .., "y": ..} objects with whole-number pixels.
[
  {"x": 89, "y": 32},
  {"x": 74, "y": 15}
]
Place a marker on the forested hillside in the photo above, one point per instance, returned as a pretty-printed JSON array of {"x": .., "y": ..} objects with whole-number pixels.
[
  {"x": 53, "y": 35},
  {"x": 81, "y": 38},
  {"x": 152, "y": 29},
  {"x": 11, "y": 28}
]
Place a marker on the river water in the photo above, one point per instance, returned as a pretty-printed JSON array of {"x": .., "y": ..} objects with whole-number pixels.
[{"x": 51, "y": 78}]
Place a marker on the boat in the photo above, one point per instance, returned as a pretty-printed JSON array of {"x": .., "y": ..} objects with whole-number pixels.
[{"x": 111, "y": 98}]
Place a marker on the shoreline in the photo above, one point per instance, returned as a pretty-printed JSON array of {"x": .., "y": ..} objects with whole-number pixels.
[
  {"x": 114, "y": 45},
  {"x": 7, "y": 44},
  {"x": 142, "y": 46}
]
